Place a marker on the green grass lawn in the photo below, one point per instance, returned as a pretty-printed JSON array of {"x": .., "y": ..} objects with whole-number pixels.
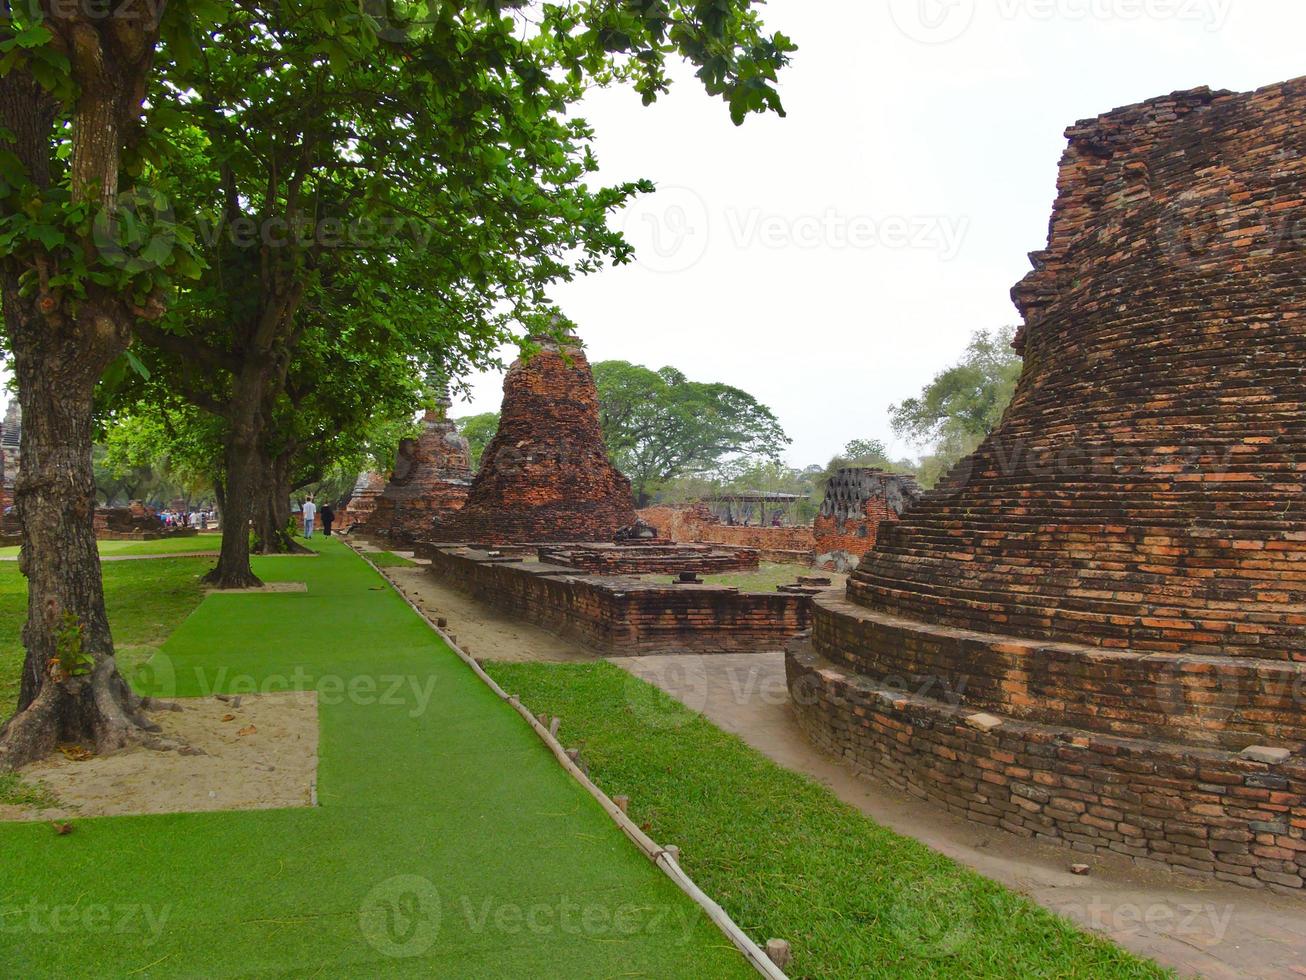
[
  {"x": 146, "y": 601},
  {"x": 164, "y": 546},
  {"x": 447, "y": 843},
  {"x": 765, "y": 579},
  {"x": 787, "y": 858},
  {"x": 388, "y": 559}
]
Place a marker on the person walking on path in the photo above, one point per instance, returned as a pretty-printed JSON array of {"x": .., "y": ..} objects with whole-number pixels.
[
  {"x": 310, "y": 512},
  {"x": 328, "y": 516}
]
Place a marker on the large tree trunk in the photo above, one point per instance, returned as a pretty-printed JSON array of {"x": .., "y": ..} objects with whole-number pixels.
[
  {"x": 242, "y": 470},
  {"x": 272, "y": 534},
  {"x": 70, "y": 690}
]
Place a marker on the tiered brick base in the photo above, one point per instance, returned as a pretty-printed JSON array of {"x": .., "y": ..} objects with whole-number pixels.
[
  {"x": 1204, "y": 810},
  {"x": 624, "y": 616},
  {"x": 1100, "y": 615}
]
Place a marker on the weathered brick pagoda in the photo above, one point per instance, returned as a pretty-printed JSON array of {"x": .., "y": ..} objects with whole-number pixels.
[
  {"x": 431, "y": 479},
  {"x": 362, "y": 500},
  {"x": 1101, "y": 615},
  {"x": 545, "y": 476},
  {"x": 857, "y": 501}
]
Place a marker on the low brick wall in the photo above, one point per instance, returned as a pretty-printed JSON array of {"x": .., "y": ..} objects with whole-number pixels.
[
  {"x": 1205, "y": 810},
  {"x": 696, "y": 525},
  {"x": 623, "y": 616},
  {"x": 649, "y": 559}
]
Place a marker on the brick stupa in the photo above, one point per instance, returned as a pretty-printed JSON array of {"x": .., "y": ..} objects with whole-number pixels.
[
  {"x": 545, "y": 476},
  {"x": 1101, "y": 615},
  {"x": 431, "y": 478},
  {"x": 362, "y": 500}
]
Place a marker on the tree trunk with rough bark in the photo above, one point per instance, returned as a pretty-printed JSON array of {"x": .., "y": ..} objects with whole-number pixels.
[
  {"x": 242, "y": 470},
  {"x": 71, "y": 690},
  {"x": 61, "y": 343},
  {"x": 272, "y": 533}
]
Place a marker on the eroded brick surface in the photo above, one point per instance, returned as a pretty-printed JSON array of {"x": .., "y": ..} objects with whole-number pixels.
[
  {"x": 362, "y": 500},
  {"x": 1118, "y": 575},
  {"x": 857, "y": 501},
  {"x": 431, "y": 480},
  {"x": 545, "y": 476}
]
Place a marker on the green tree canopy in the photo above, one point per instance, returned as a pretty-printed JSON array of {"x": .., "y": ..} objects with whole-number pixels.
[
  {"x": 963, "y": 404},
  {"x": 659, "y": 425},
  {"x": 478, "y": 430}
]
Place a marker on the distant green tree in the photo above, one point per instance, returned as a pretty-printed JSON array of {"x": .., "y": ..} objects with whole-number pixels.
[
  {"x": 659, "y": 425},
  {"x": 478, "y": 430},
  {"x": 962, "y": 405}
]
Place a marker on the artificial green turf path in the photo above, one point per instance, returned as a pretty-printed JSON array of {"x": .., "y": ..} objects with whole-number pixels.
[{"x": 524, "y": 875}]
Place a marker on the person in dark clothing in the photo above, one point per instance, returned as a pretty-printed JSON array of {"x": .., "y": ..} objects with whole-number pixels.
[{"x": 328, "y": 515}]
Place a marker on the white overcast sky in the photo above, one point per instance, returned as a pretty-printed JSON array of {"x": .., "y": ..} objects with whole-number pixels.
[{"x": 833, "y": 261}]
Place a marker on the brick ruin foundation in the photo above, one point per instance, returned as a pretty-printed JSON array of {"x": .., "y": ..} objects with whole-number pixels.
[
  {"x": 135, "y": 522},
  {"x": 857, "y": 500},
  {"x": 545, "y": 475},
  {"x": 1094, "y": 630},
  {"x": 431, "y": 479},
  {"x": 666, "y": 558},
  {"x": 623, "y": 615}
]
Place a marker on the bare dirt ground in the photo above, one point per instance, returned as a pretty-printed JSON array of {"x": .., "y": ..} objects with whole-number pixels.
[
  {"x": 258, "y": 755},
  {"x": 482, "y": 630}
]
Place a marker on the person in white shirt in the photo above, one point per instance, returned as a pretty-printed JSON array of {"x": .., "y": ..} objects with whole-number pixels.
[{"x": 310, "y": 512}]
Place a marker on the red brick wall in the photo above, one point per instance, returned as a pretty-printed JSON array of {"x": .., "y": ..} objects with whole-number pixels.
[{"x": 696, "y": 524}]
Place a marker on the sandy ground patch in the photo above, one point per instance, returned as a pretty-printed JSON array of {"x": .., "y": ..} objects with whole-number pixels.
[
  {"x": 264, "y": 589},
  {"x": 482, "y": 630},
  {"x": 273, "y": 765}
]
